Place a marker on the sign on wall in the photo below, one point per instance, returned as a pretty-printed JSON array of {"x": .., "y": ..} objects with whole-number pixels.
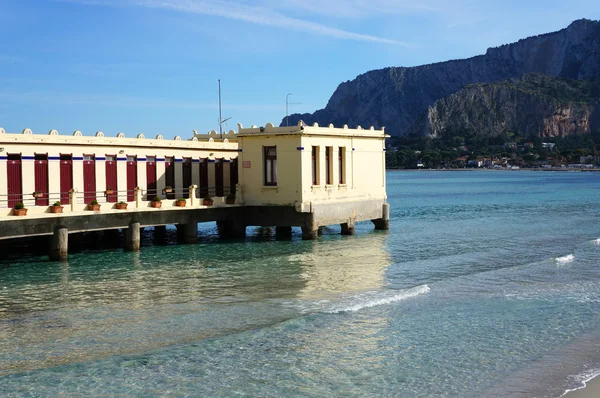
[{"x": 246, "y": 164}]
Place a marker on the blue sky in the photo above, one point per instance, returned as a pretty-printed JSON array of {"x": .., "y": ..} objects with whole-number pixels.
[{"x": 151, "y": 66}]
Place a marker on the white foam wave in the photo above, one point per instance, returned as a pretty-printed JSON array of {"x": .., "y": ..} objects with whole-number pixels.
[
  {"x": 582, "y": 380},
  {"x": 368, "y": 300},
  {"x": 597, "y": 242},
  {"x": 564, "y": 259}
]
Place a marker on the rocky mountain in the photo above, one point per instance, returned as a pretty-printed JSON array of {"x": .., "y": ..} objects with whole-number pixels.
[
  {"x": 395, "y": 97},
  {"x": 534, "y": 105}
]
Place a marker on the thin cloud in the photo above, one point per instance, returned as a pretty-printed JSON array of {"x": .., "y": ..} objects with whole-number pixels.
[
  {"x": 358, "y": 8},
  {"x": 247, "y": 13}
]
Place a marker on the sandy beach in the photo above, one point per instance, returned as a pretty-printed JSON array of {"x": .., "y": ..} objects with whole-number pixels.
[{"x": 591, "y": 390}]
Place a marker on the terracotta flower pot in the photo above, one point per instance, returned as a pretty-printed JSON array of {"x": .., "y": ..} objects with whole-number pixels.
[
  {"x": 121, "y": 206},
  {"x": 56, "y": 209},
  {"x": 94, "y": 207},
  {"x": 38, "y": 195},
  {"x": 20, "y": 212},
  {"x": 109, "y": 192},
  {"x": 180, "y": 203},
  {"x": 207, "y": 202},
  {"x": 156, "y": 204},
  {"x": 230, "y": 200}
]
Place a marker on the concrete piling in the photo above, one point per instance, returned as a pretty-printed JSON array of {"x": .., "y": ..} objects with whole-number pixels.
[
  {"x": 283, "y": 233},
  {"x": 383, "y": 223},
  {"x": 310, "y": 229},
  {"x": 59, "y": 245},
  {"x": 348, "y": 228},
  {"x": 132, "y": 237},
  {"x": 189, "y": 233}
]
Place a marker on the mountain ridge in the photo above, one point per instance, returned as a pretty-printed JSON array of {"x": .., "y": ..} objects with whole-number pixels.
[
  {"x": 533, "y": 106},
  {"x": 395, "y": 97}
]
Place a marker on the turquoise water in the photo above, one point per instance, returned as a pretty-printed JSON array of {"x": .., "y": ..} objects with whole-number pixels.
[{"x": 486, "y": 285}]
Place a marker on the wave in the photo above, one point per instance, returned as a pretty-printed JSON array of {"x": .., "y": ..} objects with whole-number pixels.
[
  {"x": 582, "y": 379},
  {"x": 373, "y": 299},
  {"x": 597, "y": 242},
  {"x": 564, "y": 259}
]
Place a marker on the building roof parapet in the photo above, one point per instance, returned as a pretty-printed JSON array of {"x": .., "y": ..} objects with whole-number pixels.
[
  {"x": 303, "y": 128},
  {"x": 53, "y": 137},
  {"x": 214, "y": 136}
]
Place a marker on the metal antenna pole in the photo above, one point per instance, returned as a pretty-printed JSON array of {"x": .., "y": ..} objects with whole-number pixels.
[
  {"x": 220, "y": 116},
  {"x": 287, "y": 118}
]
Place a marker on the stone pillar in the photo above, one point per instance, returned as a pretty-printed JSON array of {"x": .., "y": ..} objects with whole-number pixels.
[
  {"x": 72, "y": 198},
  {"x": 59, "y": 245},
  {"x": 189, "y": 233},
  {"x": 137, "y": 194},
  {"x": 160, "y": 232},
  {"x": 310, "y": 230},
  {"x": 132, "y": 237},
  {"x": 231, "y": 229},
  {"x": 192, "y": 194},
  {"x": 383, "y": 223},
  {"x": 348, "y": 227},
  {"x": 238, "y": 229},
  {"x": 283, "y": 233}
]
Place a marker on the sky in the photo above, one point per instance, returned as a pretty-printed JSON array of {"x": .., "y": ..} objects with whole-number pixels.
[{"x": 152, "y": 66}]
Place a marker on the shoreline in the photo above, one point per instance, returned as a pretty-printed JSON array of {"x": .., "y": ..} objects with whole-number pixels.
[
  {"x": 596, "y": 170},
  {"x": 590, "y": 389}
]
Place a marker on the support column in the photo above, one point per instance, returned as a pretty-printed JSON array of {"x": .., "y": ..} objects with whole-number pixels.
[
  {"x": 383, "y": 223},
  {"x": 231, "y": 229},
  {"x": 310, "y": 230},
  {"x": 160, "y": 233},
  {"x": 283, "y": 233},
  {"x": 132, "y": 237},
  {"x": 238, "y": 229},
  {"x": 348, "y": 228},
  {"x": 189, "y": 233},
  {"x": 59, "y": 246}
]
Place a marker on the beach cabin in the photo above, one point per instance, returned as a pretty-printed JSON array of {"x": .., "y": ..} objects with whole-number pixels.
[{"x": 328, "y": 175}]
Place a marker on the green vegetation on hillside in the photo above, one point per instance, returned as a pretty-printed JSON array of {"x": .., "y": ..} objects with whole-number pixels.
[
  {"x": 561, "y": 90},
  {"x": 456, "y": 148}
]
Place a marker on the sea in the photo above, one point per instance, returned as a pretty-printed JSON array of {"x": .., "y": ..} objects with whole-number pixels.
[{"x": 486, "y": 285}]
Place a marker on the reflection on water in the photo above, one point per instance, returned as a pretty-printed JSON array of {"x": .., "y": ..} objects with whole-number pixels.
[
  {"x": 341, "y": 266},
  {"x": 107, "y": 303}
]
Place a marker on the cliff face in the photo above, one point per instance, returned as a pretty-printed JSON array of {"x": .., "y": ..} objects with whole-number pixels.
[
  {"x": 395, "y": 97},
  {"x": 535, "y": 105}
]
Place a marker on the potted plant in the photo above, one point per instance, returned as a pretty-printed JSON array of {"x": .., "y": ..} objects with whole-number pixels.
[
  {"x": 230, "y": 199},
  {"x": 167, "y": 189},
  {"x": 56, "y": 207},
  {"x": 19, "y": 209},
  {"x": 207, "y": 200},
  {"x": 180, "y": 202},
  {"x": 121, "y": 206},
  {"x": 94, "y": 206},
  {"x": 109, "y": 191},
  {"x": 37, "y": 194},
  {"x": 156, "y": 202}
]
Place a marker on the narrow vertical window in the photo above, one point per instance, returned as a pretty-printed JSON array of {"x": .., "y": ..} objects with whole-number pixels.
[
  {"x": 270, "y": 166},
  {"x": 341, "y": 164},
  {"x": 315, "y": 168},
  {"x": 328, "y": 164}
]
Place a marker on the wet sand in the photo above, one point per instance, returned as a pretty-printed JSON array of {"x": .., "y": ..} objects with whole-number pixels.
[{"x": 591, "y": 390}]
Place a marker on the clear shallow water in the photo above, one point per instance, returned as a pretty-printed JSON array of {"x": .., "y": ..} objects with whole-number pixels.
[{"x": 486, "y": 285}]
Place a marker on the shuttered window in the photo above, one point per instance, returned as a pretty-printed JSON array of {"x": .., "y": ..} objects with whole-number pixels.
[{"x": 270, "y": 165}]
